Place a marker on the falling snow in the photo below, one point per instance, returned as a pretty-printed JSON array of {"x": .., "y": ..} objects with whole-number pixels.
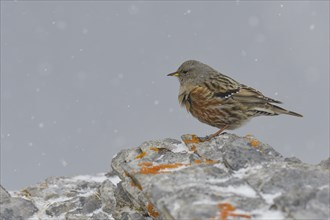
[
  {"x": 253, "y": 21},
  {"x": 187, "y": 12},
  {"x": 64, "y": 163}
]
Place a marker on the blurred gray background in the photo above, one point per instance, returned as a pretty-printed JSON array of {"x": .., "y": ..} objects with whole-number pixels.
[{"x": 82, "y": 80}]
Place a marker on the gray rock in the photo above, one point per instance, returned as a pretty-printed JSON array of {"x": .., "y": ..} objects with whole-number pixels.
[
  {"x": 15, "y": 208},
  {"x": 228, "y": 177},
  {"x": 80, "y": 197},
  {"x": 107, "y": 195},
  {"x": 197, "y": 180},
  {"x": 4, "y": 195},
  {"x": 325, "y": 164}
]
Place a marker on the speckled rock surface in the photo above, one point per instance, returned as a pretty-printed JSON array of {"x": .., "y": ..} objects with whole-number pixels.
[
  {"x": 226, "y": 177},
  {"x": 15, "y": 208},
  {"x": 229, "y": 177}
]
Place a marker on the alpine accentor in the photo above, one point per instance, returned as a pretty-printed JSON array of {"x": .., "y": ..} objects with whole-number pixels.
[{"x": 220, "y": 101}]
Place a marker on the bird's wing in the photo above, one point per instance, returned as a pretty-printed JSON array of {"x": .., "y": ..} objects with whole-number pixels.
[
  {"x": 225, "y": 87},
  {"x": 222, "y": 86},
  {"x": 249, "y": 95}
]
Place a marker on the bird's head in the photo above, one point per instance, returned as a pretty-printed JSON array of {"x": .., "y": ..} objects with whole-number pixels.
[{"x": 192, "y": 71}]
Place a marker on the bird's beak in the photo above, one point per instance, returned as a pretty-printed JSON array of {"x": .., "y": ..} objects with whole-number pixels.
[{"x": 174, "y": 74}]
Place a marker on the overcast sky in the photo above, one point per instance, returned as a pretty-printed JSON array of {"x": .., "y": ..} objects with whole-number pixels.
[{"x": 82, "y": 80}]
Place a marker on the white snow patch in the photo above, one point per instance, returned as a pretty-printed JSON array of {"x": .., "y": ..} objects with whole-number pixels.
[
  {"x": 266, "y": 214},
  {"x": 241, "y": 173},
  {"x": 242, "y": 190},
  {"x": 180, "y": 148},
  {"x": 323, "y": 187},
  {"x": 99, "y": 178},
  {"x": 220, "y": 165},
  {"x": 214, "y": 181},
  {"x": 160, "y": 157},
  {"x": 176, "y": 206},
  {"x": 205, "y": 202},
  {"x": 269, "y": 198},
  {"x": 115, "y": 180}
]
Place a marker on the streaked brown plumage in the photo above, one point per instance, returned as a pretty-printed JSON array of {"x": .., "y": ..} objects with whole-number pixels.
[{"x": 220, "y": 101}]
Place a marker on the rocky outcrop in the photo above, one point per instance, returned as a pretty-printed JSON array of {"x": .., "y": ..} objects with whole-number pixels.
[
  {"x": 229, "y": 177},
  {"x": 15, "y": 208}
]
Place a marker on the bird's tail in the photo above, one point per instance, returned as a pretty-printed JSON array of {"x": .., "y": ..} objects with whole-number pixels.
[
  {"x": 270, "y": 109},
  {"x": 284, "y": 111}
]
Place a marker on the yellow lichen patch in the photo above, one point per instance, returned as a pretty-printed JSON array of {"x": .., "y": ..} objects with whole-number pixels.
[
  {"x": 141, "y": 155},
  {"x": 158, "y": 168},
  {"x": 227, "y": 210},
  {"x": 194, "y": 140},
  {"x": 145, "y": 164},
  {"x": 151, "y": 210},
  {"x": 154, "y": 149}
]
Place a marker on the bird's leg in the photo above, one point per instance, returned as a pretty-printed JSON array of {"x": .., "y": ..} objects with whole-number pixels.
[{"x": 209, "y": 137}]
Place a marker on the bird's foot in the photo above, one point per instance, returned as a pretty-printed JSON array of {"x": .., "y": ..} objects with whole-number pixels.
[{"x": 210, "y": 137}]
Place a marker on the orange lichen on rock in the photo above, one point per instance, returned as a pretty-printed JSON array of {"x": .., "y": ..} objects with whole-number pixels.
[
  {"x": 151, "y": 210},
  {"x": 154, "y": 149},
  {"x": 193, "y": 148},
  {"x": 141, "y": 155},
  {"x": 197, "y": 161},
  {"x": 254, "y": 143},
  {"x": 209, "y": 161},
  {"x": 145, "y": 164},
  {"x": 226, "y": 210},
  {"x": 157, "y": 168},
  {"x": 194, "y": 140}
]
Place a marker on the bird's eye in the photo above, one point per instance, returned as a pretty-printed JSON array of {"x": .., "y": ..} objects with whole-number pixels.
[{"x": 185, "y": 71}]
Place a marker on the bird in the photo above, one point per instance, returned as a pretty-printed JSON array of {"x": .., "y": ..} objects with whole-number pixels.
[{"x": 219, "y": 100}]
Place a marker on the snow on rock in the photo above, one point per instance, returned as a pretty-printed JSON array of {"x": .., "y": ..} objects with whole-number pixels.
[{"x": 228, "y": 177}]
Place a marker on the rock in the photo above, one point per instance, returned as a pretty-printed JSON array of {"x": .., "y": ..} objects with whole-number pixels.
[
  {"x": 325, "y": 164},
  {"x": 228, "y": 177},
  {"x": 12, "y": 208},
  {"x": 4, "y": 195}
]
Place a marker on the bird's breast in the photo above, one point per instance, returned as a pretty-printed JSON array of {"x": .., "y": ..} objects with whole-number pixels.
[{"x": 197, "y": 98}]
